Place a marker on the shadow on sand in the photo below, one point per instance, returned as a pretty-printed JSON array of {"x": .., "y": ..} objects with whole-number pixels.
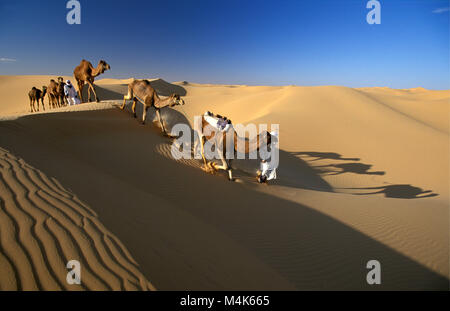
[
  {"x": 192, "y": 231},
  {"x": 356, "y": 168},
  {"x": 296, "y": 172},
  {"x": 323, "y": 155},
  {"x": 398, "y": 192},
  {"x": 401, "y": 191}
]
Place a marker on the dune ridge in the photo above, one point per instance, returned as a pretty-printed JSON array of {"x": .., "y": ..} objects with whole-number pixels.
[{"x": 43, "y": 226}]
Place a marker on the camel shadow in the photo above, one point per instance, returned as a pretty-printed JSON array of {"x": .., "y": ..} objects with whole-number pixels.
[
  {"x": 398, "y": 192},
  {"x": 323, "y": 155},
  {"x": 356, "y": 168}
]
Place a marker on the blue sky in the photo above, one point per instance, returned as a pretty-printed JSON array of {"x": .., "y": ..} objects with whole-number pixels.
[{"x": 254, "y": 42}]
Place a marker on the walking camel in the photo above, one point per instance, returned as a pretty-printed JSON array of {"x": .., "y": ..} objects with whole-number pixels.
[
  {"x": 86, "y": 73},
  {"x": 219, "y": 139},
  {"x": 35, "y": 95},
  {"x": 142, "y": 91},
  {"x": 56, "y": 93}
]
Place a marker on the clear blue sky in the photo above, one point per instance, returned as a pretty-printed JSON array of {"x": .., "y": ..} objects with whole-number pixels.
[{"x": 311, "y": 42}]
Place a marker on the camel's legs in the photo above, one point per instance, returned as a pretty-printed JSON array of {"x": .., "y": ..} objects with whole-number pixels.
[
  {"x": 144, "y": 114},
  {"x": 133, "y": 108},
  {"x": 31, "y": 105},
  {"x": 42, "y": 101},
  {"x": 80, "y": 89},
  {"x": 91, "y": 85},
  {"x": 196, "y": 143},
  {"x": 36, "y": 101},
  {"x": 126, "y": 97},
  {"x": 89, "y": 93},
  {"x": 160, "y": 121},
  {"x": 224, "y": 165},
  {"x": 202, "y": 145}
]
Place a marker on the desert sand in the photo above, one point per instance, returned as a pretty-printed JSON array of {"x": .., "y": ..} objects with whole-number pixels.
[{"x": 364, "y": 174}]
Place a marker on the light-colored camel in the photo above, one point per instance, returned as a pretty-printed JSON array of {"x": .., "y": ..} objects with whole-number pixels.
[
  {"x": 219, "y": 140},
  {"x": 86, "y": 73},
  {"x": 142, "y": 91},
  {"x": 35, "y": 95}
]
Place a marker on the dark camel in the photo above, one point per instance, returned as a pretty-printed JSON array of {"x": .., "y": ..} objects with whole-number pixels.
[
  {"x": 35, "y": 95},
  {"x": 56, "y": 93}
]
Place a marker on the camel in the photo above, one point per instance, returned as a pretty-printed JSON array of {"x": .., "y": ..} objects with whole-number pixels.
[
  {"x": 61, "y": 97},
  {"x": 53, "y": 95},
  {"x": 86, "y": 73},
  {"x": 55, "y": 90},
  {"x": 35, "y": 95},
  {"x": 142, "y": 91},
  {"x": 219, "y": 139}
]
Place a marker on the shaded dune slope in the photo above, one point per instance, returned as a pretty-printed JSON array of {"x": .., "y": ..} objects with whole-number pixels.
[
  {"x": 255, "y": 241},
  {"x": 43, "y": 226}
]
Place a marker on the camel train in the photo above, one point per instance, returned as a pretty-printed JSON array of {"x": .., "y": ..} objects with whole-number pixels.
[
  {"x": 54, "y": 92},
  {"x": 141, "y": 90},
  {"x": 84, "y": 73}
]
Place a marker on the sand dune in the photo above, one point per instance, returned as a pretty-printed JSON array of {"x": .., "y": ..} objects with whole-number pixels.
[
  {"x": 43, "y": 226},
  {"x": 363, "y": 175}
]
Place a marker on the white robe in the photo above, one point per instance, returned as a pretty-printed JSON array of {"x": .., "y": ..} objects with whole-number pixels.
[
  {"x": 268, "y": 170},
  {"x": 71, "y": 94}
]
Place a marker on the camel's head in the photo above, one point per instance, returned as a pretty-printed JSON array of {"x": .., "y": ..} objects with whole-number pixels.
[
  {"x": 176, "y": 100},
  {"x": 104, "y": 66}
]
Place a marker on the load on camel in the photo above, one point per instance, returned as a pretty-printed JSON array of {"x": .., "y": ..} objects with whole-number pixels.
[
  {"x": 215, "y": 129},
  {"x": 142, "y": 91}
]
